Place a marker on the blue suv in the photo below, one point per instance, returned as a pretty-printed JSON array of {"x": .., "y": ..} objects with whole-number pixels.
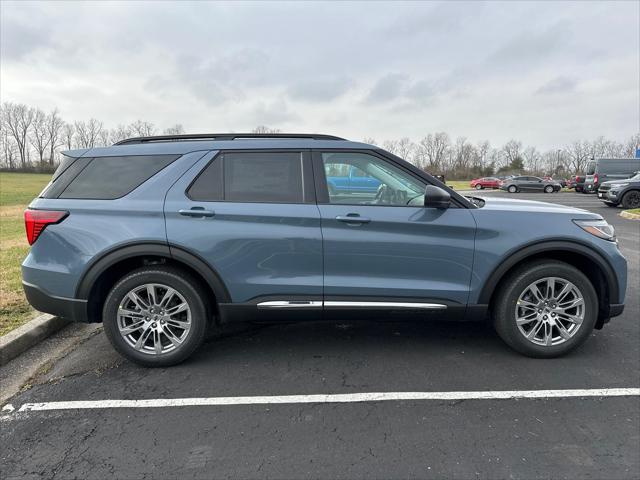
[{"x": 166, "y": 238}]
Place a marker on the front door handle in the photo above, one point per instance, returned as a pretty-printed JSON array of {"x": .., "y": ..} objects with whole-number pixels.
[
  {"x": 197, "y": 212},
  {"x": 353, "y": 218}
]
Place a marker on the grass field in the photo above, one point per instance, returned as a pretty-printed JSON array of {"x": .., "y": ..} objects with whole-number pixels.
[
  {"x": 459, "y": 184},
  {"x": 16, "y": 191}
]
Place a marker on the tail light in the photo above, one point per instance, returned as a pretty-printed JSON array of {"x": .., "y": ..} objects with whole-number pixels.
[
  {"x": 595, "y": 179},
  {"x": 36, "y": 221}
]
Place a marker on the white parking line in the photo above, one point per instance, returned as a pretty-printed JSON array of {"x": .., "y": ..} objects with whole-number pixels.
[{"x": 328, "y": 398}]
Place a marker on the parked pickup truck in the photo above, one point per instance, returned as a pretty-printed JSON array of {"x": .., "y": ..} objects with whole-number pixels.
[{"x": 356, "y": 181}]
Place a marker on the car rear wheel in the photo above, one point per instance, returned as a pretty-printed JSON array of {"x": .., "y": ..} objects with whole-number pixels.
[
  {"x": 512, "y": 189},
  {"x": 631, "y": 199},
  {"x": 155, "y": 316},
  {"x": 548, "y": 189},
  {"x": 545, "y": 309}
]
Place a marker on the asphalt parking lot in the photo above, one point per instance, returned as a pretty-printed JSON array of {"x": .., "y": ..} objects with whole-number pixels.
[{"x": 567, "y": 437}]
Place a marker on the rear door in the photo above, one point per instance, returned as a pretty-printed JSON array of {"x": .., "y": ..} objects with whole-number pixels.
[
  {"x": 251, "y": 215},
  {"x": 384, "y": 248}
]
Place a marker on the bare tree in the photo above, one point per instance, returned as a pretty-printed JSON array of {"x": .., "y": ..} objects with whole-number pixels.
[
  {"x": 88, "y": 133},
  {"x": 68, "y": 135},
  {"x": 370, "y": 141},
  {"x": 406, "y": 148},
  {"x": 141, "y": 128},
  {"x": 7, "y": 147},
  {"x": 119, "y": 133},
  {"x": 177, "y": 129},
  {"x": 482, "y": 152},
  {"x": 463, "y": 154},
  {"x": 579, "y": 152},
  {"x": 104, "y": 138},
  {"x": 391, "y": 146},
  {"x": 432, "y": 151},
  {"x": 512, "y": 151},
  {"x": 265, "y": 129},
  {"x": 18, "y": 118},
  {"x": 38, "y": 134},
  {"x": 532, "y": 159},
  {"x": 631, "y": 145},
  {"x": 55, "y": 125}
]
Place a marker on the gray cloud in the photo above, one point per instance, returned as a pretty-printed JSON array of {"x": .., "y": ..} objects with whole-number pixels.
[
  {"x": 320, "y": 90},
  {"x": 387, "y": 88},
  {"x": 379, "y": 70},
  {"x": 557, "y": 85}
]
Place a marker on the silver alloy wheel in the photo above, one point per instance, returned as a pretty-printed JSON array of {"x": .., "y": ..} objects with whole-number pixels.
[
  {"x": 513, "y": 189},
  {"x": 154, "y": 318},
  {"x": 548, "y": 189},
  {"x": 478, "y": 187},
  {"x": 550, "y": 311}
]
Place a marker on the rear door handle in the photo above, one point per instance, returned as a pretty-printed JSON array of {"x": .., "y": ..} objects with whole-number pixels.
[
  {"x": 197, "y": 212},
  {"x": 352, "y": 218}
]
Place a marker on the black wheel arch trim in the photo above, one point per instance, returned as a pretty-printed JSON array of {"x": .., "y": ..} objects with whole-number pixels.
[
  {"x": 547, "y": 246},
  {"x": 122, "y": 252}
]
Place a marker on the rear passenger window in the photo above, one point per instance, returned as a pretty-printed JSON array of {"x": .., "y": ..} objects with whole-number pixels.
[
  {"x": 270, "y": 177},
  {"x": 108, "y": 178}
]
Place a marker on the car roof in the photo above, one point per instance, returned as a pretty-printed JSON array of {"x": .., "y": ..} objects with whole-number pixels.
[{"x": 181, "y": 146}]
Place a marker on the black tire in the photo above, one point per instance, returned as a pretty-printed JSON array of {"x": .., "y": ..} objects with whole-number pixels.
[
  {"x": 479, "y": 187},
  {"x": 512, "y": 189},
  {"x": 609, "y": 204},
  {"x": 549, "y": 189},
  {"x": 186, "y": 286},
  {"x": 631, "y": 199},
  {"x": 504, "y": 307}
]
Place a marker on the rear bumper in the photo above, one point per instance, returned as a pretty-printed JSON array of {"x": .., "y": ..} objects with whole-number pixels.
[{"x": 70, "y": 308}]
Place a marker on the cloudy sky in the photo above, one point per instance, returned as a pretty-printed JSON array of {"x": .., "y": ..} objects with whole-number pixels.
[{"x": 545, "y": 73}]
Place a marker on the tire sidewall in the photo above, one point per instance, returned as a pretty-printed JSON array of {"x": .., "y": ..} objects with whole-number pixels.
[
  {"x": 548, "y": 189},
  {"x": 512, "y": 189},
  {"x": 174, "y": 279},
  {"x": 504, "y": 319}
]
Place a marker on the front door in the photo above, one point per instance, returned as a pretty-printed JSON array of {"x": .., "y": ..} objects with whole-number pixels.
[{"x": 385, "y": 247}]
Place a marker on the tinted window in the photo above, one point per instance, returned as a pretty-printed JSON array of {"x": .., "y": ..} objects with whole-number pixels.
[
  {"x": 208, "y": 186},
  {"x": 251, "y": 177},
  {"x": 263, "y": 177},
  {"x": 591, "y": 168},
  {"x": 107, "y": 178}
]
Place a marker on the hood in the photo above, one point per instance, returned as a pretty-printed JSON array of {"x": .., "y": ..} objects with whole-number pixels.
[
  {"x": 514, "y": 205},
  {"x": 624, "y": 180}
]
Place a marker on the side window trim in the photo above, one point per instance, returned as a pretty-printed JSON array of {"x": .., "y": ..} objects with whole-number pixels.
[{"x": 308, "y": 187}]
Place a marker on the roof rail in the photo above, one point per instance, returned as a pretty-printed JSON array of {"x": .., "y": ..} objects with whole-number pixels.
[{"x": 223, "y": 136}]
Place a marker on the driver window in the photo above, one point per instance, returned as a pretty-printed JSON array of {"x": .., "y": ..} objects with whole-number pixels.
[{"x": 373, "y": 181}]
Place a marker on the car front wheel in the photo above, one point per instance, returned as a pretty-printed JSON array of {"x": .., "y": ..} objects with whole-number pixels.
[
  {"x": 548, "y": 189},
  {"x": 545, "y": 309},
  {"x": 478, "y": 187},
  {"x": 156, "y": 316},
  {"x": 512, "y": 189},
  {"x": 631, "y": 199}
]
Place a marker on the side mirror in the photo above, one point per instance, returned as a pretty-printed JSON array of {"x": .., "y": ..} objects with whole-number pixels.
[{"x": 436, "y": 197}]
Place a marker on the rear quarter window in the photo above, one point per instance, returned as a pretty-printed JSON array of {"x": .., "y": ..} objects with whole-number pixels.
[{"x": 108, "y": 178}]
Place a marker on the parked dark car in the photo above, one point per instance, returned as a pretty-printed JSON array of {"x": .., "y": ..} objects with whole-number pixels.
[
  {"x": 621, "y": 192},
  {"x": 562, "y": 181},
  {"x": 530, "y": 184},
  {"x": 603, "y": 170}
]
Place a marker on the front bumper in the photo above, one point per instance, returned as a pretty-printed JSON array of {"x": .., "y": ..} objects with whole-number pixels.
[{"x": 70, "y": 308}]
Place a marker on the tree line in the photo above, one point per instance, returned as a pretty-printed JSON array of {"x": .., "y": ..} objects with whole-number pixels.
[{"x": 31, "y": 140}]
